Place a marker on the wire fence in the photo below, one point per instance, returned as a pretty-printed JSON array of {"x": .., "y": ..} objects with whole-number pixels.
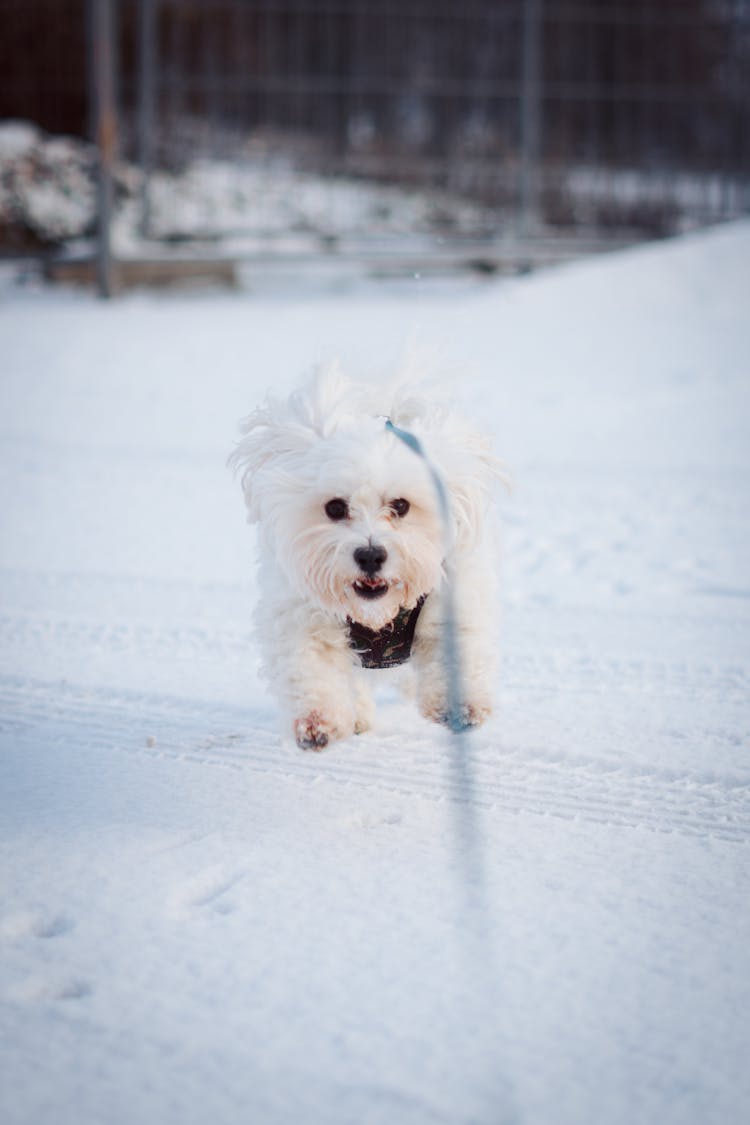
[
  {"x": 567, "y": 114},
  {"x": 504, "y": 119}
]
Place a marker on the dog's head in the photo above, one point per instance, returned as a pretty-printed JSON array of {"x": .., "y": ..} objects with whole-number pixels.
[{"x": 349, "y": 512}]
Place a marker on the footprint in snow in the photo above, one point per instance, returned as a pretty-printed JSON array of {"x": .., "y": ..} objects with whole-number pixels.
[
  {"x": 206, "y": 890},
  {"x": 41, "y": 990},
  {"x": 34, "y": 924}
]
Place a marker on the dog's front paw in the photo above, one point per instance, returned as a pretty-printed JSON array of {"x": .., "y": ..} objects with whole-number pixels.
[
  {"x": 313, "y": 732},
  {"x": 469, "y": 715}
]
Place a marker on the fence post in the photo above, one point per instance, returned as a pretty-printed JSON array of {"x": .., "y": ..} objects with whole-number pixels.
[
  {"x": 146, "y": 89},
  {"x": 529, "y": 211},
  {"x": 103, "y": 73}
]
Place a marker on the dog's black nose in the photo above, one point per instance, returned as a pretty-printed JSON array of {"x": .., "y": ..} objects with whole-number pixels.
[{"x": 370, "y": 559}]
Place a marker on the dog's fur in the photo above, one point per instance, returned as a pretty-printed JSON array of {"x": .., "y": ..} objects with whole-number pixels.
[{"x": 329, "y": 441}]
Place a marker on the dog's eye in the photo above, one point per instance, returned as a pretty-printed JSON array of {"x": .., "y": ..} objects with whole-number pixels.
[
  {"x": 337, "y": 509},
  {"x": 399, "y": 507}
]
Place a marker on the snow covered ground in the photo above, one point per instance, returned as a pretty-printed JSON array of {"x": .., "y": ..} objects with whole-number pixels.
[{"x": 200, "y": 923}]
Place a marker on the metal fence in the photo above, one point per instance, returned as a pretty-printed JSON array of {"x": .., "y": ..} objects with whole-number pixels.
[
  {"x": 545, "y": 111},
  {"x": 608, "y": 118}
]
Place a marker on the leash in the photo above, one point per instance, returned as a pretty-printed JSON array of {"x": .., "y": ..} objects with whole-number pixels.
[
  {"x": 450, "y": 645},
  {"x": 476, "y": 926},
  {"x": 479, "y": 944},
  {"x": 461, "y": 761}
]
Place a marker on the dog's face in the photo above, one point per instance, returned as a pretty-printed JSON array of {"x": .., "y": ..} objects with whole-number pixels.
[
  {"x": 364, "y": 537},
  {"x": 351, "y": 521},
  {"x": 347, "y": 511}
]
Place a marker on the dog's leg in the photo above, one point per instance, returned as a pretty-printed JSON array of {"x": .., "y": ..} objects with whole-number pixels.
[
  {"x": 320, "y": 698},
  {"x": 364, "y": 704},
  {"x": 308, "y": 664},
  {"x": 475, "y": 658}
]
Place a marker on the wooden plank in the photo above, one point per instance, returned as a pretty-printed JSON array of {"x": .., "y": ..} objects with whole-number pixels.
[{"x": 157, "y": 272}]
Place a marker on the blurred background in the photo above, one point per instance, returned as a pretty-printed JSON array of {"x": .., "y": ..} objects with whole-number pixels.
[{"x": 400, "y": 135}]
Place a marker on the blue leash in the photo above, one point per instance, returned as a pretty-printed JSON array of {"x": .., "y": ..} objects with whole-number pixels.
[
  {"x": 450, "y": 644},
  {"x": 460, "y": 763},
  {"x": 476, "y": 926}
]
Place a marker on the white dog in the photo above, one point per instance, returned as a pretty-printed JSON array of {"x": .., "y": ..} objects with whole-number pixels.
[{"x": 355, "y": 558}]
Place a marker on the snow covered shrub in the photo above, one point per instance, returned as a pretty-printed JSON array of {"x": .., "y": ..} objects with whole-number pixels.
[{"x": 47, "y": 187}]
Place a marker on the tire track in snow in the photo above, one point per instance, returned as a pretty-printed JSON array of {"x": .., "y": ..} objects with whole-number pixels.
[
  {"x": 19, "y": 632},
  {"x": 590, "y": 675},
  {"x": 583, "y": 674},
  {"x": 517, "y": 781}
]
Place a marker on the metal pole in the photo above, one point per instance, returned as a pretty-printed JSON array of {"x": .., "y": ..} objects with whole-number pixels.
[
  {"x": 90, "y": 75},
  {"x": 531, "y": 118},
  {"x": 146, "y": 89},
  {"x": 102, "y": 22}
]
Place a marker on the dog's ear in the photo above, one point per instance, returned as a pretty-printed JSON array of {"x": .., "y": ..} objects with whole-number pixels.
[
  {"x": 469, "y": 469},
  {"x": 265, "y": 446}
]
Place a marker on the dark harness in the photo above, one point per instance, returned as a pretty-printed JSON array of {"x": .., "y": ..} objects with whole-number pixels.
[{"x": 389, "y": 646}]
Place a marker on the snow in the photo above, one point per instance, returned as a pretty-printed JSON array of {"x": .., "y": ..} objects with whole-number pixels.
[
  {"x": 236, "y": 202},
  {"x": 47, "y": 184},
  {"x": 255, "y": 200},
  {"x": 197, "y": 921},
  {"x": 17, "y": 138}
]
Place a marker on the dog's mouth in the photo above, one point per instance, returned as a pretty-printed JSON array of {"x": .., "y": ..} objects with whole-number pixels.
[{"x": 370, "y": 588}]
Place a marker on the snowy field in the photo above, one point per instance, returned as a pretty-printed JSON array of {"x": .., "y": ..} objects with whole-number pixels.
[{"x": 198, "y": 922}]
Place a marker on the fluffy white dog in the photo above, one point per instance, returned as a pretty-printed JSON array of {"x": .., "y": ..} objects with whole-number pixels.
[{"x": 355, "y": 557}]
